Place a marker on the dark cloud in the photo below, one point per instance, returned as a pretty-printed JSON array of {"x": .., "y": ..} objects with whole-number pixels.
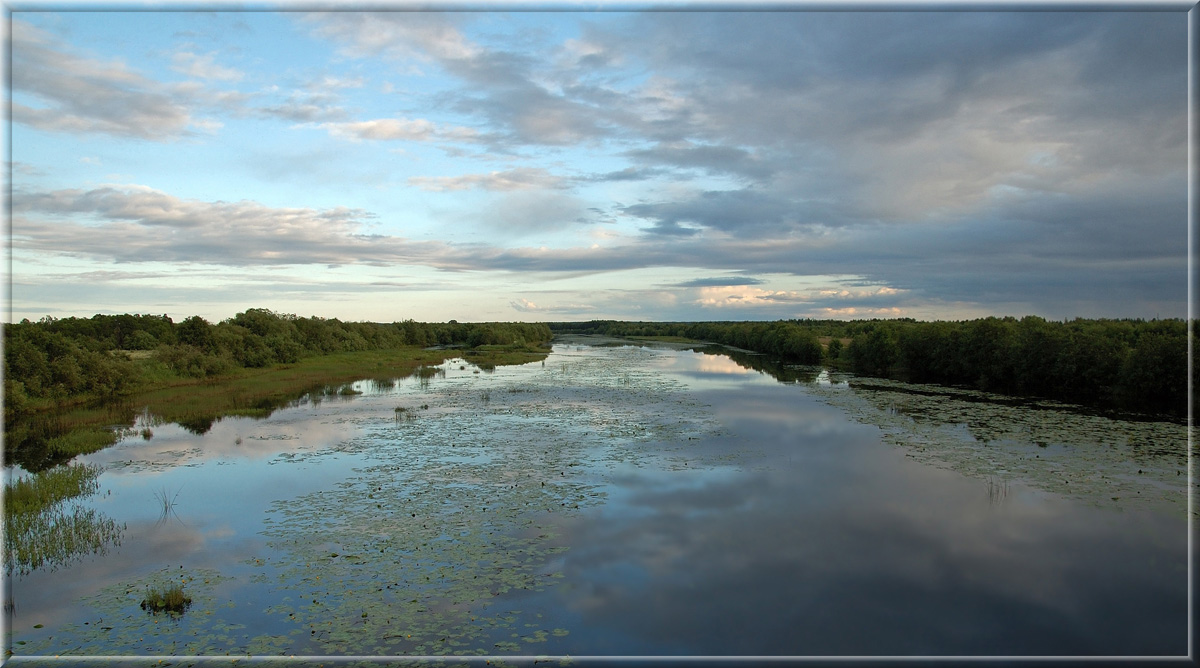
[
  {"x": 707, "y": 158},
  {"x": 718, "y": 282},
  {"x": 498, "y": 85},
  {"x": 626, "y": 174},
  {"x": 740, "y": 212}
]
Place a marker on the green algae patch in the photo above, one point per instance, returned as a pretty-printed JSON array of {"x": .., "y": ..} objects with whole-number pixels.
[{"x": 1058, "y": 448}]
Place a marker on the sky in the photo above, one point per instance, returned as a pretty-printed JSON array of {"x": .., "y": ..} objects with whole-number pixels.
[{"x": 569, "y": 165}]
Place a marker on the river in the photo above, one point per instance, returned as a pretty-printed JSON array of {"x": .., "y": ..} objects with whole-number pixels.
[{"x": 632, "y": 500}]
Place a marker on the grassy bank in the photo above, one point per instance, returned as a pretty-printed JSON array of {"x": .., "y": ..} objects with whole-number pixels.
[{"x": 51, "y": 435}]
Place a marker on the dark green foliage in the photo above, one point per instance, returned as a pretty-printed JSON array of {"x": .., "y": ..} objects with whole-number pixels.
[
  {"x": 188, "y": 360},
  {"x": 1128, "y": 365},
  {"x": 876, "y": 353},
  {"x": 41, "y": 363},
  {"x": 786, "y": 339},
  {"x": 834, "y": 352},
  {"x": 72, "y": 358},
  {"x": 195, "y": 331}
]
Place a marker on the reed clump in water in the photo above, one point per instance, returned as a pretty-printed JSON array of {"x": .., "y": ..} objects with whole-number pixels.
[{"x": 170, "y": 600}]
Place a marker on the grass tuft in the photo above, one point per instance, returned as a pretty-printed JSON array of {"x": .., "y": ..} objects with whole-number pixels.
[
  {"x": 166, "y": 503},
  {"x": 171, "y": 600}
]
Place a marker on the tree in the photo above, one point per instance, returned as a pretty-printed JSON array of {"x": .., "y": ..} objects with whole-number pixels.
[{"x": 195, "y": 331}]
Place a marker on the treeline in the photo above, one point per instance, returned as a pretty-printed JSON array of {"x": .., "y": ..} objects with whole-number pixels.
[
  {"x": 56, "y": 359},
  {"x": 1126, "y": 365},
  {"x": 785, "y": 339}
]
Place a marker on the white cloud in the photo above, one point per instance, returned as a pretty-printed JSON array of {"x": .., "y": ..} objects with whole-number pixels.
[
  {"x": 135, "y": 223},
  {"x": 203, "y": 67},
  {"x": 396, "y": 129},
  {"x": 397, "y": 35},
  {"x": 524, "y": 178},
  {"x": 526, "y": 306},
  {"x": 82, "y": 95}
]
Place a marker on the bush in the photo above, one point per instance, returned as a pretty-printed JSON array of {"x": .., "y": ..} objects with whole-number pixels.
[{"x": 141, "y": 340}]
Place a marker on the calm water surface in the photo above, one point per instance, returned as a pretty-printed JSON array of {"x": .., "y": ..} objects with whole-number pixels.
[{"x": 626, "y": 501}]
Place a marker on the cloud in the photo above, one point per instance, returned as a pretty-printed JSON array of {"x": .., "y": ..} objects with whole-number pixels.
[
  {"x": 397, "y": 129},
  {"x": 744, "y": 212},
  {"x": 81, "y": 95},
  {"x": 136, "y": 224},
  {"x": 524, "y": 178},
  {"x": 526, "y": 306},
  {"x": 626, "y": 174},
  {"x": 741, "y": 296},
  {"x": 718, "y": 282},
  {"x": 314, "y": 101},
  {"x": 498, "y": 86},
  {"x": 303, "y": 108},
  {"x": 395, "y": 35},
  {"x": 203, "y": 67},
  {"x": 525, "y": 211},
  {"x": 903, "y": 116},
  {"x": 327, "y": 83},
  {"x": 710, "y": 159}
]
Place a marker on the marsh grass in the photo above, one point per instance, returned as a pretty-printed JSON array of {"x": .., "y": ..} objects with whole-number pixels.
[
  {"x": 170, "y": 600},
  {"x": 198, "y": 403},
  {"x": 81, "y": 442},
  {"x": 42, "y": 529},
  {"x": 38, "y": 492}
]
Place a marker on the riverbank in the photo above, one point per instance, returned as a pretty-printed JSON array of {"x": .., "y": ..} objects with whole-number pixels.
[{"x": 53, "y": 434}]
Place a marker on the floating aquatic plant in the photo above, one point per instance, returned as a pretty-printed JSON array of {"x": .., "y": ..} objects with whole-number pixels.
[{"x": 1052, "y": 446}]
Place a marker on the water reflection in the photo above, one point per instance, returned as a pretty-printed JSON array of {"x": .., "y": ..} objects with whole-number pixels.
[
  {"x": 694, "y": 509},
  {"x": 842, "y": 546}
]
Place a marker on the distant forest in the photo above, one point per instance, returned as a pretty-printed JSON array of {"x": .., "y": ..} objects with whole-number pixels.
[
  {"x": 1135, "y": 366},
  {"x": 1124, "y": 365},
  {"x": 60, "y": 359}
]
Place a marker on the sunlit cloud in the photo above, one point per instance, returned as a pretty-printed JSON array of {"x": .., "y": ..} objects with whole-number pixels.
[
  {"x": 397, "y": 129},
  {"x": 514, "y": 179},
  {"x": 138, "y": 224}
]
